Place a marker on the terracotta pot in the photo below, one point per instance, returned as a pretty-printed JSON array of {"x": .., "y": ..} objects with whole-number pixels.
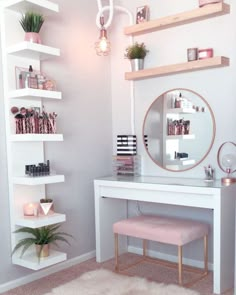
[
  {"x": 33, "y": 37},
  {"x": 44, "y": 252},
  {"x": 205, "y": 2}
]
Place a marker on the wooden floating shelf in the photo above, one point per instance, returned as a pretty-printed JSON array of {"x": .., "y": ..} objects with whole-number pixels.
[
  {"x": 36, "y": 137},
  {"x": 186, "y": 17},
  {"x": 203, "y": 64},
  {"x": 31, "y": 260},
  {"x": 36, "y": 222},
  {"x": 30, "y": 92},
  {"x": 33, "y": 50},
  {"x": 26, "y": 180},
  {"x": 40, "y": 6}
]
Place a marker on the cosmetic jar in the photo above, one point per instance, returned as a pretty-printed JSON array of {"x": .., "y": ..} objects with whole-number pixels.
[{"x": 192, "y": 54}]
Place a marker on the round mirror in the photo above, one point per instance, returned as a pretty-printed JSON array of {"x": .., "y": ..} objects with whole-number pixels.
[{"x": 179, "y": 129}]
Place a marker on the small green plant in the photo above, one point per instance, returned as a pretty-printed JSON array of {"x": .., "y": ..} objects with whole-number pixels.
[
  {"x": 46, "y": 200},
  {"x": 40, "y": 236},
  {"x": 32, "y": 22},
  {"x": 137, "y": 50}
]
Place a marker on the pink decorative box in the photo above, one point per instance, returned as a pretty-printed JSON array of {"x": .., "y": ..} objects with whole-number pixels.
[
  {"x": 205, "y": 53},
  {"x": 205, "y": 2}
]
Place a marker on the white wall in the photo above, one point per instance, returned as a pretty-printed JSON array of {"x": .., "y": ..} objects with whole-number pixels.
[
  {"x": 167, "y": 47},
  {"x": 84, "y": 117}
]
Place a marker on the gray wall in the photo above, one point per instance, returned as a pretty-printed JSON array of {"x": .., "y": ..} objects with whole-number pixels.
[{"x": 84, "y": 117}]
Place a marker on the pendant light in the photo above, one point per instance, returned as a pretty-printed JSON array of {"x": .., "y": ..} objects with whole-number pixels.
[{"x": 102, "y": 46}]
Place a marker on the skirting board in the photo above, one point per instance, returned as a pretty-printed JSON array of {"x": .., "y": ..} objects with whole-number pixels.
[
  {"x": 171, "y": 258},
  {"x": 43, "y": 273}
]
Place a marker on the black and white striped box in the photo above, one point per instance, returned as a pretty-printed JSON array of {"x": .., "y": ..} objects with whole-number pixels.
[{"x": 126, "y": 145}]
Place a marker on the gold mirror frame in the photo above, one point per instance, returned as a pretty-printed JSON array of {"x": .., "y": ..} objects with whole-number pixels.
[{"x": 213, "y": 130}]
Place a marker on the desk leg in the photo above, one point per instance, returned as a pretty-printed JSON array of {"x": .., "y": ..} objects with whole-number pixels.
[
  {"x": 107, "y": 212},
  {"x": 223, "y": 243}
]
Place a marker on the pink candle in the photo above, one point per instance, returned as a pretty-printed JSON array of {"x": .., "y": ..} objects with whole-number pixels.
[{"x": 31, "y": 209}]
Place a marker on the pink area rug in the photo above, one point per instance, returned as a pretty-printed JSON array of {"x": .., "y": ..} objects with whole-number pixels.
[{"x": 105, "y": 282}]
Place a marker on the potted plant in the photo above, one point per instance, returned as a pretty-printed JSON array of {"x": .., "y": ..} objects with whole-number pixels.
[
  {"x": 46, "y": 205},
  {"x": 31, "y": 23},
  {"x": 136, "y": 54},
  {"x": 40, "y": 237}
]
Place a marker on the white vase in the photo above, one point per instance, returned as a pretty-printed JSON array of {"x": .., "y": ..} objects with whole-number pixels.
[
  {"x": 46, "y": 207},
  {"x": 137, "y": 64}
]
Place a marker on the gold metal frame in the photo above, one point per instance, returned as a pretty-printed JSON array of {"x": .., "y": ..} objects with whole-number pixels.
[{"x": 203, "y": 272}]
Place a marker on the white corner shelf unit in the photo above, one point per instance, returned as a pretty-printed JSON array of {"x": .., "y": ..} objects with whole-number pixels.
[
  {"x": 32, "y": 50},
  {"x": 25, "y": 149},
  {"x": 37, "y": 93}
]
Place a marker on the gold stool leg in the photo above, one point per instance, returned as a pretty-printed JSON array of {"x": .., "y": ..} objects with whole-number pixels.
[
  {"x": 180, "y": 264},
  {"x": 206, "y": 253},
  {"x": 116, "y": 252},
  {"x": 144, "y": 248}
]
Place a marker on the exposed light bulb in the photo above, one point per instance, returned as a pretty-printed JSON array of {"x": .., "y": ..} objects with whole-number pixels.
[
  {"x": 103, "y": 46},
  {"x": 229, "y": 161}
]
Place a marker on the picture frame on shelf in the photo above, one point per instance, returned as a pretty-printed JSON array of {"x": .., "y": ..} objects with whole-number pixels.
[{"x": 142, "y": 14}]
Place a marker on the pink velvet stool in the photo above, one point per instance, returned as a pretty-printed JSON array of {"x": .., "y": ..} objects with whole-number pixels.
[{"x": 166, "y": 230}]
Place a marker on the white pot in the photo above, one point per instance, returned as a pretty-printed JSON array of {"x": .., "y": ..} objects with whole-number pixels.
[{"x": 46, "y": 207}]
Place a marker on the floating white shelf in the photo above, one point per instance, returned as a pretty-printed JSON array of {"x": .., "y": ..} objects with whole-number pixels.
[
  {"x": 30, "y": 92},
  {"x": 31, "y": 260},
  {"x": 185, "y": 136},
  {"x": 40, "y": 6},
  {"x": 183, "y": 162},
  {"x": 36, "y": 137},
  {"x": 36, "y": 222},
  {"x": 181, "y": 111},
  {"x": 26, "y": 180},
  {"x": 33, "y": 50}
]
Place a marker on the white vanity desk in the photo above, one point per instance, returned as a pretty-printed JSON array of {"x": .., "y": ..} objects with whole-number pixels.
[{"x": 112, "y": 194}]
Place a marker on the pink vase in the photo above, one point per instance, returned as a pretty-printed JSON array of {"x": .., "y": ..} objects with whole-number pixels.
[
  {"x": 205, "y": 2},
  {"x": 33, "y": 37}
]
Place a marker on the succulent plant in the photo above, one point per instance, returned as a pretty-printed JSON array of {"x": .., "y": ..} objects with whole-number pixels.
[{"x": 32, "y": 22}]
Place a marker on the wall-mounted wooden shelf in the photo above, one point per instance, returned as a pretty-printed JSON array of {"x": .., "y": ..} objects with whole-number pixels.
[
  {"x": 26, "y": 180},
  {"x": 197, "y": 65},
  {"x": 36, "y": 222},
  {"x": 36, "y": 137},
  {"x": 30, "y": 92},
  {"x": 33, "y": 50},
  {"x": 186, "y": 17},
  {"x": 40, "y": 6},
  {"x": 30, "y": 260}
]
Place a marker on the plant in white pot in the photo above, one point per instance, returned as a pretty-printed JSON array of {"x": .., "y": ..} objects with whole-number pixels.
[
  {"x": 46, "y": 205},
  {"x": 31, "y": 23},
  {"x": 136, "y": 54},
  {"x": 40, "y": 237}
]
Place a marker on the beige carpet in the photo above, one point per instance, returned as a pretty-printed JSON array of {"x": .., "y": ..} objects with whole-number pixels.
[{"x": 105, "y": 282}]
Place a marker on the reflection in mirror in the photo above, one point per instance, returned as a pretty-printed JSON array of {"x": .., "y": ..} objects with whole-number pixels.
[{"x": 179, "y": 127}]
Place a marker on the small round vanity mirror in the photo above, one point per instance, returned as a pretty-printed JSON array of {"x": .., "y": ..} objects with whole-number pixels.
[{"x": 179, "y": 130}]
